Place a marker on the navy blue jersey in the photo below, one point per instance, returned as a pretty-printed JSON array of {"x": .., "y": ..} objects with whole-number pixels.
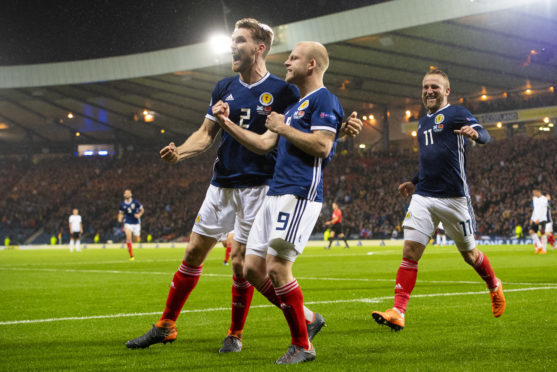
[
  {"x": 236, "y": 166},
  {"x": 296, "y": 172},
  {"x": 442, "y": 152},
  {"x": 129, "y": 210}
]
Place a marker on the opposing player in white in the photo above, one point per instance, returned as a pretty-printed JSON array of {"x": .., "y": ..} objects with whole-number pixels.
[
  {"x": 441, "y": 238},
  {"x": 76, "y": 229},
  {"x": 305, "y": 138},
  {"x": 538, "y": 221},
  {"x": 440, "y": 193}
]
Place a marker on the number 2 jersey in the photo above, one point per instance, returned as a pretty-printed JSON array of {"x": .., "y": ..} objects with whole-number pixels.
[
  {"x": 297, "y": 172},
  {"x": 442, "y": 171},
  {"x": 236, "y": 166}
]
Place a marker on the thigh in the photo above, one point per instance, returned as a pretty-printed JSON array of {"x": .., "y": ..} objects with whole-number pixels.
[
  {"x": 458, "y": 220},
  {"x": 248, "y": 201},
  {"x": 258, "y": 238},
  {"x": 419, "y": 217},
  {"x": 293, "y": 220},
  {"x": 217, "y": 213}
]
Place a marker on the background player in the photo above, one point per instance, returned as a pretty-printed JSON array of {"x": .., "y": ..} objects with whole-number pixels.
[
  {"x": 130, "y": 213},
  {"x": 549, "y": 224},
  {"x": 227, "y": 244},
  {"x": 306, "y": 139},
  {"x": 441, "y": 238},
  {"x": 440, "y": 193},
  {"x": 538, "y": 221},
  {"x": 239, "y": 184},
  {"x": 335, "y": 224},
  {"x": 76, "y": 229}
]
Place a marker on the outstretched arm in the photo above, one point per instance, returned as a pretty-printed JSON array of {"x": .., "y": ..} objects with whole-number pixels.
[
  {"x": 198, "y": 142},
  {"x": 474, "y": 132}
]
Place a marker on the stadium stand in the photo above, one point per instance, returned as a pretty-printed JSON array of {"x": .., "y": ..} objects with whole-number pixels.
[{"x": 37, "y": 198}]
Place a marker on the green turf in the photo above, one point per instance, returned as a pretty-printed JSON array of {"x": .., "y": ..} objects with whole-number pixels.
[{"x": 443, "y": 333}]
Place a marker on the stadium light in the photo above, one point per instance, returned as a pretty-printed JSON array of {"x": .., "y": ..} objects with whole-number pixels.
[
  {"x": 483, "y": 97},
  {"x": 70, "y": 115},
  {"x": 371, "y": 117},
  {"x": 408, "y": 113},
  {"x": 77, "y": 134},
  {"x": 414, "y": 133},
  {"x": 362, "y": 145},
  {"x": 364, "y": 117},
  {"x": 499, "y": 124},
  {"x": 88, "y": 153},
  {"x": 220, "y": 43},
  {"x": 162, "y": 131},
  {"x": 551, "y": 125},
  {"x": 102, "y": 153},
  {"x": 546, "y": 120},
  {"x": 528, "y": 91}
]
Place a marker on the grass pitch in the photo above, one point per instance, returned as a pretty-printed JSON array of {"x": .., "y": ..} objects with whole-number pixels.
[{"x": 62, "y": 311}]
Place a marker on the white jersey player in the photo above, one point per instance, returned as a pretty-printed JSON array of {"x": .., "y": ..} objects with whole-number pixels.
[
  {"x": 76, "y": 229},
  {"x": 538, "y": 221}
]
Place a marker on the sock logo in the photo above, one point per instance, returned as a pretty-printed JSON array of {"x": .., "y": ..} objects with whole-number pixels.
[
  {"x": 172, "y": 285},
  {"x": 398, "y": 286}
]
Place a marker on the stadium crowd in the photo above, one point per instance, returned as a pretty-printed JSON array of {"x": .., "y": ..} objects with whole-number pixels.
[{"x": 37, "y": 198}]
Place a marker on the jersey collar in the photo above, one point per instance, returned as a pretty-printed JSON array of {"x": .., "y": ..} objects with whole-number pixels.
[
  {"x": 442, "y": 108},
  {"x": 249, "y": 86},
  {"x": 310, "y": 93}
]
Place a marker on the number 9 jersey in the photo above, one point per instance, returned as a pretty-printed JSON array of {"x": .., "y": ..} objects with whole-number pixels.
[{"x": 236, "y": 166}]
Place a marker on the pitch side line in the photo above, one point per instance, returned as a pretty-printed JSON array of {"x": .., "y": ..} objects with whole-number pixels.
[
  {"x": 356, "y": 300},
  {"x": 229, "y": 276}
]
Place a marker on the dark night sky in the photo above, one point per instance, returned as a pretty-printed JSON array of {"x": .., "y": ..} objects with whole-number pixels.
[{"x": 38, "y": 31}]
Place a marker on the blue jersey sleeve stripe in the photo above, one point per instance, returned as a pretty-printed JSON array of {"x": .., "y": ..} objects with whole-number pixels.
[{"x": 322, "y": 127}]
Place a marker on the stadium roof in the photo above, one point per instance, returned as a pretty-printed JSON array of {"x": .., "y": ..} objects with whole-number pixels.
[{"x": 379, "y": 54}]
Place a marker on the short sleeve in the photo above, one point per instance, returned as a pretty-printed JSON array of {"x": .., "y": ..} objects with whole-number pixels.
[
  {"x": 215, "y": 97},
  {"x": 327, "y": 114}
]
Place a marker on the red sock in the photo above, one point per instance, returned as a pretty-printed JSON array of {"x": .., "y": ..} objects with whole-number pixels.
[
  {"x": 268, "y": 291},
  {"x": 405, "y": 281},
  {"x": 183, "y": 283},
  {"x": 483, "y": 267},
  {"x": 227, "y": 252},
  {"x": 292, "y": 305},
  {"x": 129, "y": 244},
  {"x": 550, "y": 239},
  {"x": 242, "y": 293}
]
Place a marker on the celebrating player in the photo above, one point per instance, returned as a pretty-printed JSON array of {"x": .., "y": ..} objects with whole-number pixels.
[
  {"x": 76, "y": 229},
  {"x": 130, "y": 213},
  {"x": 239, "y": 184},
  {"x": 305, "y": 138},
  {"x": 336, "y": 226},
  {"x": 440, "y": 193}
]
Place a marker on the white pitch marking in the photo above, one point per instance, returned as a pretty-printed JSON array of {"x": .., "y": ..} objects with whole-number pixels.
[
  {"x": 229, "y": 276},
  {"x": 355, "y": 300}
]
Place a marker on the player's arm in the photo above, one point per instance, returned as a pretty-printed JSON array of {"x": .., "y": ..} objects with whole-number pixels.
[
  {"x": 475, "y": 132},
  {"x": 198, "y": 142},
  {"x": 140, "y": 212},
  {"x": 81, "y": 227},
  {"x": 120, "y": 216},
  {"x": 70, "y": 226},
  {"x": 257, "y": 143},
  {"x": 317, "y": 143}
]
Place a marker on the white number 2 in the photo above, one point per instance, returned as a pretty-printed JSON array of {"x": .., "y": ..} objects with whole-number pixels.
[{"x": 246, "y": 114}]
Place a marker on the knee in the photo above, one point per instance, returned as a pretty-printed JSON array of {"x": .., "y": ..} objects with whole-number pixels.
[
  {"x": 470, "y": 257},
  {"x": 237, "y": 265},
  {"x": 195, "y": 255}
]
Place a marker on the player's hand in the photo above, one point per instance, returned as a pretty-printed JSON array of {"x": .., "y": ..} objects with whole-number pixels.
[
  {"x": 274, "y": 122},
  {"x": 221, "y": 110},
  {"x": 405, "y": 189},
  {"x": 468, "y": 132},
  {"x": 353, "y": 126},
  {"x": 136, "y": 215},
  {"x": 170, "y": 153}
]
